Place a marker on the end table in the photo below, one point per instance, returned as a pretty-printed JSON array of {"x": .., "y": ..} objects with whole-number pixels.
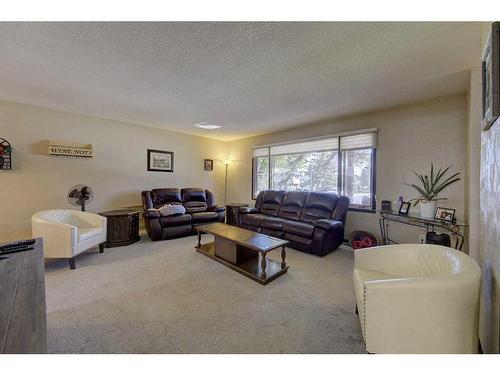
[
  {"x": 232, "y": 212},
  {"x": 122, "y": 227}
]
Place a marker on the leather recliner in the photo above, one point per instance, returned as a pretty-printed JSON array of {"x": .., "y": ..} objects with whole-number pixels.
[
  {"x": 312, "y": 222},
  {"x": 200, "y": 209}
]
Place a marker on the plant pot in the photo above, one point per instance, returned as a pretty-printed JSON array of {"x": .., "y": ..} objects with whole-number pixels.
[{"x": 427, "y": 209}]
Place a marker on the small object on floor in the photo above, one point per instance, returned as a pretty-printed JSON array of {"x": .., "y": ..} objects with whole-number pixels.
[{"x": 362, "y": 240}]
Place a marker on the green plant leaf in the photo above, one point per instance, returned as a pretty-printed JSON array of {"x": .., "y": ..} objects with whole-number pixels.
[
  {"x": 445, "y": 184},
  {"x": 422, "y": 192},
  {"x": 432, "y": 174}
]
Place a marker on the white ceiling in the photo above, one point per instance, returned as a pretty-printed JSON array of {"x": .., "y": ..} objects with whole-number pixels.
[{"x": 249, "y": 77}]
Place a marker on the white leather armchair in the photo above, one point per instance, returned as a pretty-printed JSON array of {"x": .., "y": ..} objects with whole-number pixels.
[
  {"x": 417, "y": 299},
  {"x": 67, "y": 233}
]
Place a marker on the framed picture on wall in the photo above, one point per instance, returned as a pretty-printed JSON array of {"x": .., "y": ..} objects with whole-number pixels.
[
  {"x": 160, "y": 161},
  {"x": 491, "y": 77},
  {"x": 208, "y": 164}
]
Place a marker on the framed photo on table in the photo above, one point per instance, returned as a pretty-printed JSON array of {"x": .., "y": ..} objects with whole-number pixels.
[
  {"x": 404, "y": 208},
  {"x": 160, "y": 161},
  {"x": 445, "y": 214}
]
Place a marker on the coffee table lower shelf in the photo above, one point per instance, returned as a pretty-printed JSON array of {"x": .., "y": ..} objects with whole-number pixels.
[{"x": 250, "y": 267}]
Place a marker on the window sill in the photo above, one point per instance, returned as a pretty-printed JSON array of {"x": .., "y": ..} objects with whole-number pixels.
[{"x": 359, "y": 209}]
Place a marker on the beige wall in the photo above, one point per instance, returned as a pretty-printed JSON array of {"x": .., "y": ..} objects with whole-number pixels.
[
  {"x": 117, "y": 172},
  {"x": 410, "y": 137}
]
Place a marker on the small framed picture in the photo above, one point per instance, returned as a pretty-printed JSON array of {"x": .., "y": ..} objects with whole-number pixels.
[
  {"x": 404, "y": 208},
  {"x": 160, "y": 161},
  {"x": 208, "y": 165},
  {"x": 445, "y": 214}
]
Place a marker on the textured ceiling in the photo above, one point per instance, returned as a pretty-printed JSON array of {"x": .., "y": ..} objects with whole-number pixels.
[{"x": 249, "y": 77}]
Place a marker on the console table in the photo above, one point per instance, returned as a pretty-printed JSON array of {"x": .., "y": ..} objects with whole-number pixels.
[
  {"x": 23, "y": 322},
  {"x": 455, "y": 229}
]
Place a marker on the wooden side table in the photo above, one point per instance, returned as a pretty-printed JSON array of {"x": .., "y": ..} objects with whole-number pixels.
[
  {"x": 232, "y": 212},
  {"x": 122, "y": 227}
]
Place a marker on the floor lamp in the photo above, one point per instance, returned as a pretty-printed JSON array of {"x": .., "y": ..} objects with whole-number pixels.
[{"x": 226, "y": 163}]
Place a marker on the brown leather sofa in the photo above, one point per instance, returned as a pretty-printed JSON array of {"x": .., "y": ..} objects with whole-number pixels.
[
  {"x": 313, "y": 222},
  {"x": 200, "y": 209}
]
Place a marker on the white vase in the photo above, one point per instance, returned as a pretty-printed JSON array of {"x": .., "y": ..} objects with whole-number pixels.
[{"x": 427, "y": 209}]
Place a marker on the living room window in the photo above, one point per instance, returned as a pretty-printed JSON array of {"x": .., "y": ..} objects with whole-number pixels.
[{"x": 344, "y": 164}]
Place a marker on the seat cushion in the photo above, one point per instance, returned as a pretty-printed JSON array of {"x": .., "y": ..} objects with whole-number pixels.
[
  {"x": 87, "y": 233},
  {"x": 174, "y": 220},
  {"x": 298, "y": 228},
  {"x": 272, "y": 222},
  {"x": 252, "y": 219},
  {"x": 204, "y": 217}
]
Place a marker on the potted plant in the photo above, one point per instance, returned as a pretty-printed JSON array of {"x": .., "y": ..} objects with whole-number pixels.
[{"x": 429, "y": 187}]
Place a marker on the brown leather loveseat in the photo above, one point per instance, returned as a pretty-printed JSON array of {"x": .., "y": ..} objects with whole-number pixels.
[
  {"x": 200, "y": 209},
  {"x": 313, "y": 222}
]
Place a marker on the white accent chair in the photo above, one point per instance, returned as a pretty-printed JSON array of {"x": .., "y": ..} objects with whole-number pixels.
[
  {"x": 67, "y": 233},
  {"x": 417, "y": 299}
]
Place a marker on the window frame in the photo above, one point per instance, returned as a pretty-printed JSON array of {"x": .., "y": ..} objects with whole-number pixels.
[{"x": 340, "y": 177}]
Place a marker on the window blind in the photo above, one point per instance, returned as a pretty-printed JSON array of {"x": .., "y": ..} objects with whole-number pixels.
[
  {"x": 326, "y": 144},
  {"x": 358, "y": 141},
  {"x": 264, "y": 151}
]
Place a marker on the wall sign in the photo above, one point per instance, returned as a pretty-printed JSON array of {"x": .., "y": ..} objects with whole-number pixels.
[{"x": 58, "y": 148}]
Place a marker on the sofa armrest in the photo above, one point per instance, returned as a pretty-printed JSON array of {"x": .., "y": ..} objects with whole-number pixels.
[
  {"x": 420, "y": 308},
  {"x": 59, "y": 239},
  {"x": 216, "y": 209},
  {"x": 328, "y": 235},
  {"x": 247, "y": 210},
  {"x": 91, "y": 219},
  {"x": 151, "y": 213},
  {"x": 328, "y": 224}
]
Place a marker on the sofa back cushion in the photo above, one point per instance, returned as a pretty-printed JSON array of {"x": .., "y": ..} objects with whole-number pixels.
[
  {"x": 194, "y": 195},
  {"x": 161, "y": 197},
  {"x": 318, "y": 206},
  {"x": 194, "y": 206},
  {"x": 293, "y": 204},
  {"x": 271, "y": 202}
]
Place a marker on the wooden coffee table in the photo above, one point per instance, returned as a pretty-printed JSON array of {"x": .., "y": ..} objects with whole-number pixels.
[{"x": 244, "y": 251}]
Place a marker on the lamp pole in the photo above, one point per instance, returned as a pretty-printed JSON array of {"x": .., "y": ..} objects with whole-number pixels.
[{"x": 226, "y": 162}]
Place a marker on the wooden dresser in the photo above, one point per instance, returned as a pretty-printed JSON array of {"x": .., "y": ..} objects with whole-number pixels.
[{"x": 23, "y": 322}]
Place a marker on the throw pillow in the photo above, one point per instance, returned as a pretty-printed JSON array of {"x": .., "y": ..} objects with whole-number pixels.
[{"x": 172, "y": 209}]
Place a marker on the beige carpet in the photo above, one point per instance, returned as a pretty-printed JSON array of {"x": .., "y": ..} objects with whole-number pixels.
[{"x": 163, "y": 297}]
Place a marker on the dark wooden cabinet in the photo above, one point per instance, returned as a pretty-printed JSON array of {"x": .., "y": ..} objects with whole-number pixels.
[
  {"x": 232, "y": 212},
  {"x": 122, "y": 227}
]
